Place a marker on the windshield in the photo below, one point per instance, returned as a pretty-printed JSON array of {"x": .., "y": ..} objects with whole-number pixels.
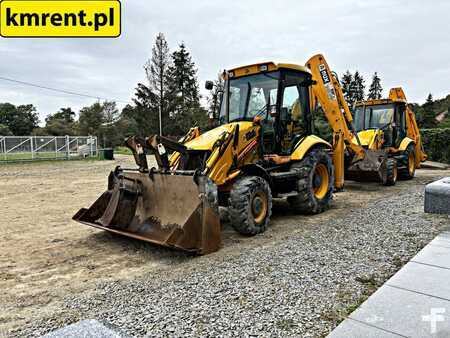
[
  {"x": 373, "y": 117},
  {"x": 249, "y": 96}
]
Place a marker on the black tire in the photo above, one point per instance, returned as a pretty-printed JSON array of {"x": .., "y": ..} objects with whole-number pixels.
[
  {"x": 308, "y": 201},
  {"x": 410, "y": 159},
  {"x": 390, "y": 176},
  {"x": 246, "y": 195}
]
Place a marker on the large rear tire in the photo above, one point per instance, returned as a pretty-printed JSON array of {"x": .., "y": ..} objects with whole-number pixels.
[
  {"x": 250, "y": 205},
  {"x": 410, "y": 170},
  {"x": 315, "y": 183}
]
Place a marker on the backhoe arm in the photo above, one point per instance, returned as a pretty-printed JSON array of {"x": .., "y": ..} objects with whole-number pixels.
[{"x": 328, "y": 92}]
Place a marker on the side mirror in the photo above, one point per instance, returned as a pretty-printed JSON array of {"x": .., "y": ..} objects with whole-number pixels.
[{"x": 209, "y": 85}]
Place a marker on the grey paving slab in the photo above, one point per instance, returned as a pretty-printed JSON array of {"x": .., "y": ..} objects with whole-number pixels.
[
  {"x": 89, "y": 328},
  {"x": 440, "y": 242},
  {"x": 422, "y": 278},
  {"x": 434, "y": 255},
  {"x": 351, "y": 328},
  {"x": 444, "y": 235},
  {"x": 405, "y": 313}
]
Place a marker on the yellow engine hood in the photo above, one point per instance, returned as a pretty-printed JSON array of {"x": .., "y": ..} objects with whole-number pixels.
[
  {"x": 366, "y": 137},
  {"x": 206, "y": 141}
]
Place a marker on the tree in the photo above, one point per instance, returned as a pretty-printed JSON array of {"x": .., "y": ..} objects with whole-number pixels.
[
  {"x": 61, "y": 123},
  {"x": 358, "y": 87},
  {"x": 375, "y": 89},
  {"x": 151, "y": 98},
  {"x": 104, "y": 121},
  {"x": 346, "y": 84},
  {"x": 109, "y": 134},
  {"x": 91, "y": 119},
  {"x": 428, "y": 101},
  {"x": 21, "y": 120},
  {"x": 157, "y": 75},
  {"x": 4, "y": 130},
  {"x": 66, "y": 114},
  {"x": 428, "y": 114},
  {"x": 184, "y": 92}
]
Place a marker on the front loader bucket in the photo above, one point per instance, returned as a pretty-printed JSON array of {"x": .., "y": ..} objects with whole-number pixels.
[
  {"x": 371, "y": 168},
  {"x": 173, "y": 210}
]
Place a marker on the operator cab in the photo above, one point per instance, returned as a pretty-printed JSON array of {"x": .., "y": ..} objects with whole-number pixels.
[
  {"x": 276, "y": 96},
  {"x": 383, "y": 115}
]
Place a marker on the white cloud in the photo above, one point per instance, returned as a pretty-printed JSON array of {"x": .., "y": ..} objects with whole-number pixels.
[{"x": 406, "y": 42}]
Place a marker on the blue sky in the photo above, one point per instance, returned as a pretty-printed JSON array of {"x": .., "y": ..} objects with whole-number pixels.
[{"x": 406, "y": 42}]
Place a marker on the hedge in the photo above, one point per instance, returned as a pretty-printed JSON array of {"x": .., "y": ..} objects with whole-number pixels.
[{"x": 436, "y": 143}]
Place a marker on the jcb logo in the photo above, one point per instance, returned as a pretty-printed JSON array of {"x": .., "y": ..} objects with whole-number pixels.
[
  {"x": 324, "y": 73},
  {"x": 66, "y": 18}
]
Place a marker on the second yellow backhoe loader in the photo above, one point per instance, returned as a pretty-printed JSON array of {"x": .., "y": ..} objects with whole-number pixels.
[
  {"x": 390, "y": 124},
  {"x": 351, "y": 158}
]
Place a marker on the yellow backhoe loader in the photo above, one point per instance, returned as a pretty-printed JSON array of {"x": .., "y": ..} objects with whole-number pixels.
[
  {"x": 351, "y": 158},
  {"x": 263, "y": 148},
  {"x": 390, "y": 124}
]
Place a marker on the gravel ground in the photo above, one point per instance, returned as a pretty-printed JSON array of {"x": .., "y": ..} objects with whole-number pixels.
[{"x": 300, "y": 286}]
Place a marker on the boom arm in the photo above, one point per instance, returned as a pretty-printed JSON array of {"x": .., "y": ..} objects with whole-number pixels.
[{"x": 327, "y": 91}]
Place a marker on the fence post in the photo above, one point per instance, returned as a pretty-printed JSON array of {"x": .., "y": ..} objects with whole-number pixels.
[
  {"x": 3, "y": 143},
  {"x": 32, "y": 147},
  {"x": 68, "y": 147},
  {"x": 90, "y": 145}
]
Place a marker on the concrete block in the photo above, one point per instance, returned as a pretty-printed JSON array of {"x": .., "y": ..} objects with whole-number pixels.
[
  {"x": 437, "y": 197},
  {"x": 89, "y": 328}
]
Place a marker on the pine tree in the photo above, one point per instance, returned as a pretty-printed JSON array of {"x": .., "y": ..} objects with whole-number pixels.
[
  {"x": 358, "y": 87},
  {"x": 429, "y": 115},
  {"x": 346, "y": 83},
  {"x": 152, "y": 98},
  {"x": 429, "y": 101},
  {"x": 375, "y": 89},
  {"x": 185, "y": 108}
]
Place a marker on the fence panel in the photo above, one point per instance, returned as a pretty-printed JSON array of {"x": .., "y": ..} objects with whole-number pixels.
[{"x": 29, "y": 148}]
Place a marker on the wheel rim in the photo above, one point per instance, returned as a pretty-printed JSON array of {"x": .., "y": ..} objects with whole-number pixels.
[
  {"x": 259, "y": 206},
  {"x": 411, "y": 164},
  {"x": 321, "y": 181}
]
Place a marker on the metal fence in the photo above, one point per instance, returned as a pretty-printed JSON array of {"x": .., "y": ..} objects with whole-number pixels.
[{"x": 30, "y": 148}]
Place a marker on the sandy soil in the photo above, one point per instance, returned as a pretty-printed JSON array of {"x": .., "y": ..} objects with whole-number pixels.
[{"x": 45, "y": 256}]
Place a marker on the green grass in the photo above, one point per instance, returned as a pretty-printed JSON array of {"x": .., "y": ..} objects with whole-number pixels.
[
  {"x": 122, "y": 151},
  {"x": 41, "y": 156}
]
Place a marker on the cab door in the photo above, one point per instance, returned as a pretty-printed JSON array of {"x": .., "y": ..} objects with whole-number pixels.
[{"x": 399, "y": 130}]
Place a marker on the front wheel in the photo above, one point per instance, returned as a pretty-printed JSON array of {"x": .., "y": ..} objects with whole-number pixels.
[
  {"x": 390, "y": 173},
  {"x": 315, "y": 183},
  {"x": 410, "y": 170},
  {"x": 250, "y": 205}
]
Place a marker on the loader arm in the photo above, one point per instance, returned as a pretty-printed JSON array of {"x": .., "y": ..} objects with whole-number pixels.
[{"x": 328, "y": 93}]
